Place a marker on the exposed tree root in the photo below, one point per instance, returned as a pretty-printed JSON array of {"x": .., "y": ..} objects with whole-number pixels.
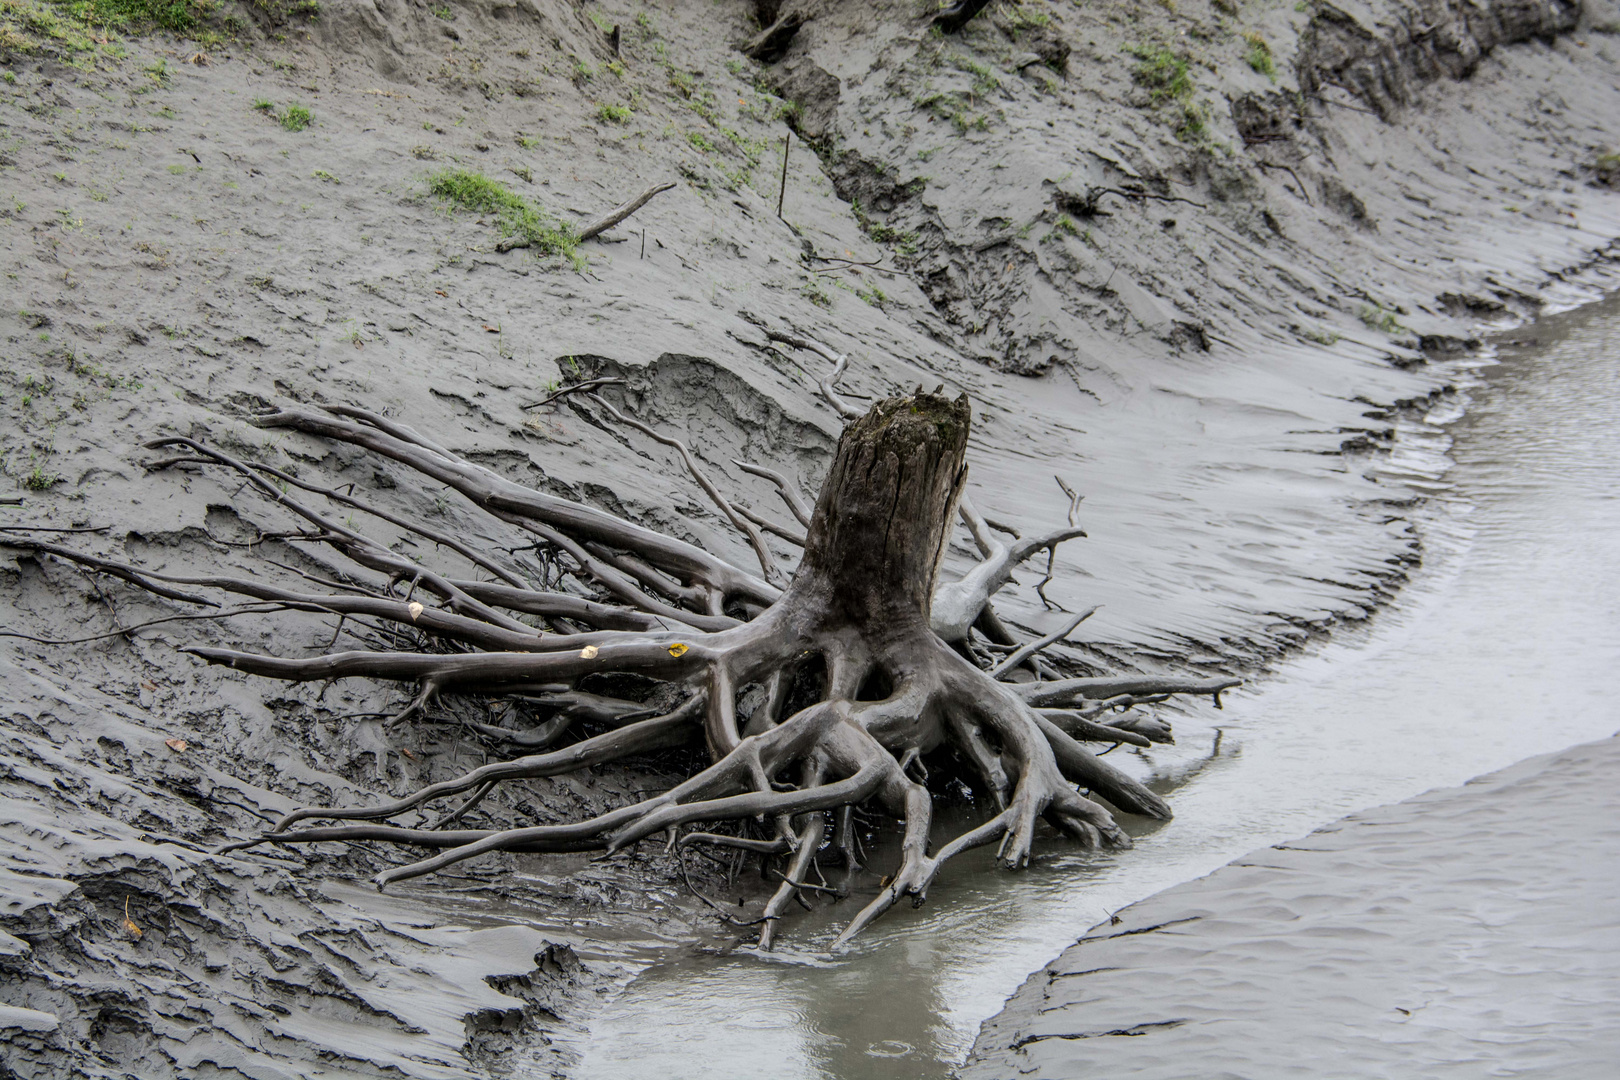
[{"x": 854, "y": 669}]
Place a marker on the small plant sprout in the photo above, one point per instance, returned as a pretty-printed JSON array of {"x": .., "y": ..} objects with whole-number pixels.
[{"x": 1259, "y": 56}]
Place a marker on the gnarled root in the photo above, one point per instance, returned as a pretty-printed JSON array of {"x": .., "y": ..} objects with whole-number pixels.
[{"x": 902, "y": 674}]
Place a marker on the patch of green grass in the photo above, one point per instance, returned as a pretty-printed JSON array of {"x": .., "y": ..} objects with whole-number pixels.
[
  {"x": 514, "y": 215},
  {"x": 29, "y": 26},
  {"x": 443, "y": 11},
  {"x": 1165, "y": 73},
  {"x": 873, "y": 296},
  {"x": 683, "y": 83},
  {"x": 984, "y": 78},
  {"x": 1259, "y": 56},
  {"x": 700, "y": 141},
  {"x": 322, "y": 174},
  {"x": 76, "y": 30},
  {"x": 1321, "y": 337},
  {"x": 1161, "y": 70},
  {"x": 614, "y": 114},
  {"x": 297, "y": 118},
  {"x": 1021, "y": 18},
  {"x": 1064, "y": 226},
  {"x": 264, "y": 105},
  {"x": 176, "y": 16},
  {"x": 40, "y": 480}
]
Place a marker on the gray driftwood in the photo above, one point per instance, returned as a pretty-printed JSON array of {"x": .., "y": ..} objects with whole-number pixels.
[{"x": 866, "y": 660}]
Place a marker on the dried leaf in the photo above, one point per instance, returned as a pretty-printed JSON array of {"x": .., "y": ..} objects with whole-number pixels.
[
  {"x": 589, "y": 652},
  {"x": 677, "y": 649},
  {"x": 407, "y": 753},
  {"x": 491, "y": 329},
  {"x": 177, "y": 745},
  {"x": 414, "y": 608},
  {"x": 129, "y": 924},
  {"x": 441, "y": 292}
]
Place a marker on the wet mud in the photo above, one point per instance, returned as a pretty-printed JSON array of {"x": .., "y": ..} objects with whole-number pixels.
[
  {"x": 1460, "y": 931},
  {"x": 1218, "y": 358}
]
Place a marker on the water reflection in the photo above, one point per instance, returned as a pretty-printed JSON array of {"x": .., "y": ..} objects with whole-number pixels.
[{"x": 1500, "y": 649}]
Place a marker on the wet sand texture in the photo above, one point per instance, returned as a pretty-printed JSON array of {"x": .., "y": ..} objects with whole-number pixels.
[
  {"x": 1468, "y": 932},
  {"x": 176, "y": 261}
]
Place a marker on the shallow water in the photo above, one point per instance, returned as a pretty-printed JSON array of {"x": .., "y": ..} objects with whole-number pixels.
[{"x": 1502, "y": 647}]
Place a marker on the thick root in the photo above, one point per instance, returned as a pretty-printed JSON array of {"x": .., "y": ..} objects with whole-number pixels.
[{"x": 813, "y": 697}]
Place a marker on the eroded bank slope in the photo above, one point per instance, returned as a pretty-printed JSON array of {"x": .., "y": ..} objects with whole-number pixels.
[{"x": 1211, "y": 352}]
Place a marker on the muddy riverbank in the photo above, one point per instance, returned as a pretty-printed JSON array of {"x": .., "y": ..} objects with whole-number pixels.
[
  {"x": 1463, "y": 930},
  {"x": 1221, "y": 376}
]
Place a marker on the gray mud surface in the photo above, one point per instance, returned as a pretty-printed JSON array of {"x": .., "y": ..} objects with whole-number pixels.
[
  {"x": 1454, "y": 934},
  {"x": 1219, "y": 376}
]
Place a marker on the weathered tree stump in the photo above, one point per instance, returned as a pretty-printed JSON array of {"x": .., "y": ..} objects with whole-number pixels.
[{"x": 865, "y": 659}]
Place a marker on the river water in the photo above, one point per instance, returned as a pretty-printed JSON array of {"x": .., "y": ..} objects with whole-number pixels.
[{"x": 1503, "y": 646}]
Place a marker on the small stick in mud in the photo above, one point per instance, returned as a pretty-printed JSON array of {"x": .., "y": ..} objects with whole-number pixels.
[
  {"x": 599, "y": 225},
  {"x": 578, "y": 388},
  {"x": 781, "y": 196}
]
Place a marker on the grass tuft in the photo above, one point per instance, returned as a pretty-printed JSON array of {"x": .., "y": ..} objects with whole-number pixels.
[
  {"x": 514, "y": 215},
  {"x": 1162, "y": 71},
  {"x": 1259, "y": 56}
]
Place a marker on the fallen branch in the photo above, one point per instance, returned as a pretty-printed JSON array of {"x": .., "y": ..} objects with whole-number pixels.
[
  {"x": 599, "y": 225},
  {"x": 577, "y": 388},
  {"x": 1034, "y": 647},
  {"x": 624, "y": 210}
]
